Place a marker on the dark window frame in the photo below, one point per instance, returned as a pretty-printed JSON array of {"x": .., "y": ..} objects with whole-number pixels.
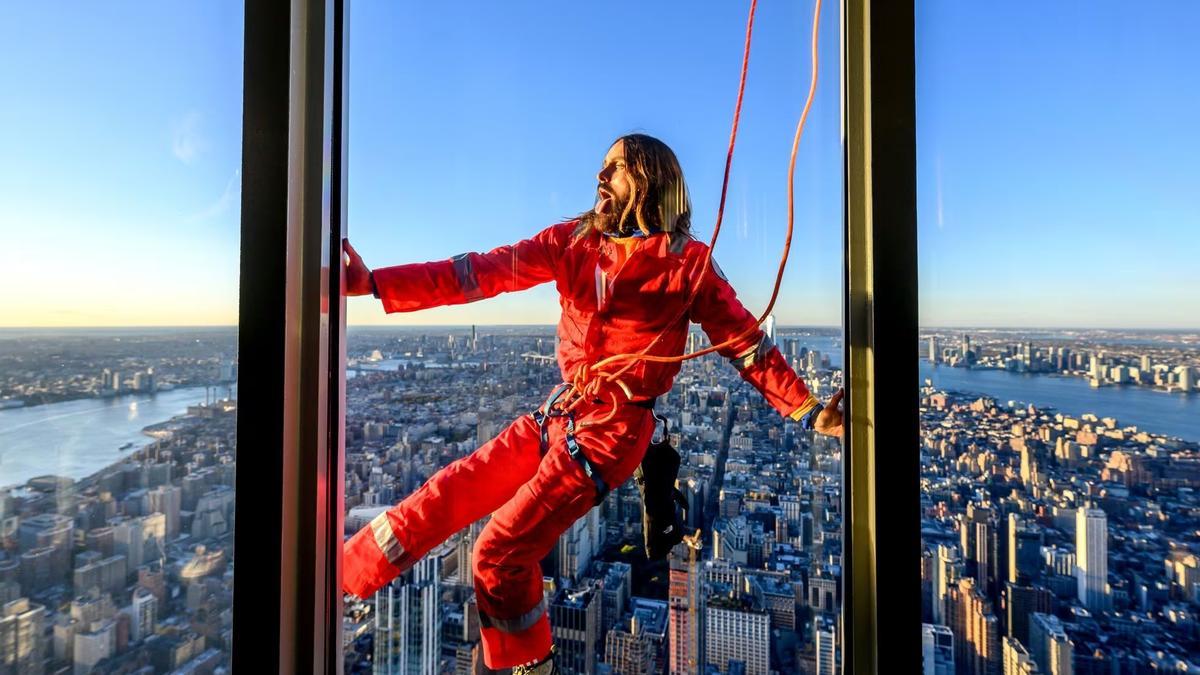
[
  {"x": 287, "y": 590},
  {"x": 881, "y": 580}
]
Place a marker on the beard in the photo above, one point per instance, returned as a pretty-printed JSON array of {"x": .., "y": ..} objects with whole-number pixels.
[{"x": 613, "y": 219}]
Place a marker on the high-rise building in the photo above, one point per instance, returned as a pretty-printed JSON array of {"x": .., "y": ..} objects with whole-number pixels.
[
  {"x": 933, "y": 352},
  {"x": 965, "y": 348},
  {"x": 1024, "y": 548},
  {"x": 577, "y": 545},
  {"x": 736, "y": 632},
  {"x": 627, "y": 649},
  {"x": 1186, "y": 381},
  {"x": 167, "y": 500},
  {"x": 681, "y": 659},
  {"x": 408, "y": 622},
  {"x": 826, "y": 648},
  {"x": 937, "y": 649},
  {"x": 96, "y": 641},
  {"x": 947, "y": 570},
  {"x": 22, "y": 637},
  {"x": 976, "y": 630},
  {"x": 613, "y": 581},
  {"x": 575, "y": 619},
  {"x": 95, "y": 570},
  {"x": 1016, "y": 659},
  {"x": 1049, "y": 645},
  {"x": 465, "y": 547},
  {"x": 1091, "y": 557},
  {"x": 1022, "y": 601},
  {"x": 144, "y": 608},
  {"x": 979, "y": 540}
]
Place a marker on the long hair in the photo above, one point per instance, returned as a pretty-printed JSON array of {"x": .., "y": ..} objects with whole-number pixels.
[{"x": 659, "y": 200}]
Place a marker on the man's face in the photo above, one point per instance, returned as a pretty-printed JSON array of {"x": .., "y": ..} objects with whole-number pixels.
[{"x": 614, "y": 184}]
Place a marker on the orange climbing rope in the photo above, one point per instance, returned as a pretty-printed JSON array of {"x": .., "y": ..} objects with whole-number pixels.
[{"x": 593, "y": 381}]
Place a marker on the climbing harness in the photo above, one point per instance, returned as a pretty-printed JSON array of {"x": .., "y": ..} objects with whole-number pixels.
[{"x": 548, "y": 410}]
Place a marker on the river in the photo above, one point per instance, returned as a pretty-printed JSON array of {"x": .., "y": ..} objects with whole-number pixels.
[
  {"x": 1174, "y": 414},
  {"x": 78, "y": 438}
]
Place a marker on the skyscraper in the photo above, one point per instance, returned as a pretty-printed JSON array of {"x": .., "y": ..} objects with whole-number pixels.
[
  {"x": 408, "y": 622},
  {"x": 627, "y": 649},
  {"x": 1186, "y": 382},
  {"x": 144, "y": 607},
  {"x": 933, "y": 352},
  {"x": 1049, "y": 645},
  {"x": 1024, "y": 548},
  {"x": 1022, "y": 601},
  {"x": 683, "y": 592},
  {"x": 23, "y": 637},
  {"x": 937, "y": 649},
  {"x": 575, "y": 619},
  {"x": 947, "y": 570},
  {"x": 577, "y": 545},
  {"x": 734, "y": 632},
  {"x": 976, "y": 630},
  {"x": 979, "y": 540},
  {"x": 1016, "y": 658},
  {"x": 825, "y": 641},
  {"x": 1091, "y": 557},
  {"x": 465, "y": 552}
]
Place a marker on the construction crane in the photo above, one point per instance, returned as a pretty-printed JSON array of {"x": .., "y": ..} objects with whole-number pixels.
[{"x": 694, "y": 545}]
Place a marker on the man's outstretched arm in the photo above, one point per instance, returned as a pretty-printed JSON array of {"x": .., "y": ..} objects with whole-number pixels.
[
  {"x": 464, "y": 278},
  {"x": 722, "y": 317}
]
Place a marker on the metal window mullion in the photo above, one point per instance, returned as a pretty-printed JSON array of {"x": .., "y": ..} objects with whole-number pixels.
[
  {"x": 261, "y": 321},
  {"x": 334, "y": 465},
  {"x": 288, "y": 480},
  {"x": 314, "y": 342},
  {"x": 881, "y": 582}
]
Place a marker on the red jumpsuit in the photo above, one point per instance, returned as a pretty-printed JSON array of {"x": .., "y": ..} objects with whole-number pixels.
[{"x": 613, "y": 301}]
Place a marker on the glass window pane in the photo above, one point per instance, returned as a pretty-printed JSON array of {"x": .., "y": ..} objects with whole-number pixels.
[
  {"x": 470, "y": 134},
  {"x": 121, "y": 131},
  {"x": 1059, "y": 349}
]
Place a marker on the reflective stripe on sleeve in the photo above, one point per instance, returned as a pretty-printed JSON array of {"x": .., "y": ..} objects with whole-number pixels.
[
  {"x": 385, "y": 538},
  {"x": 747, "y": 358}
]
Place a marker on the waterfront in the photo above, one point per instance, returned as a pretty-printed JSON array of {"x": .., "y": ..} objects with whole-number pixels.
[
  {"x": 78, "y": 438},
  {"x": 1174, "y": 414}
]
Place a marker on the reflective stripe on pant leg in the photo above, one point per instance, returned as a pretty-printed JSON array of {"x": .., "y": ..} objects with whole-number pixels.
[
  {"x": 504, "y": 650},
  {"x": 516, "y": 624}
]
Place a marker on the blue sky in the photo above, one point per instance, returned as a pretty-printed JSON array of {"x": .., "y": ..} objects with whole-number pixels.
[{"x": 1057, "y": 175}]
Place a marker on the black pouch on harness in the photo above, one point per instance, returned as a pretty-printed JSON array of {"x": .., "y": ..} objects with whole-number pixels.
[{"x": 662, "y": 502}]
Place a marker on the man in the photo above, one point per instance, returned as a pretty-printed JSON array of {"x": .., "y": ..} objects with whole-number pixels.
[{"x": 624, "y": 271}]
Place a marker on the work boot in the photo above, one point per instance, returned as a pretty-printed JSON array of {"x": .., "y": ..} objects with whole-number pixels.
[{"x": 544, "y": 667}]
